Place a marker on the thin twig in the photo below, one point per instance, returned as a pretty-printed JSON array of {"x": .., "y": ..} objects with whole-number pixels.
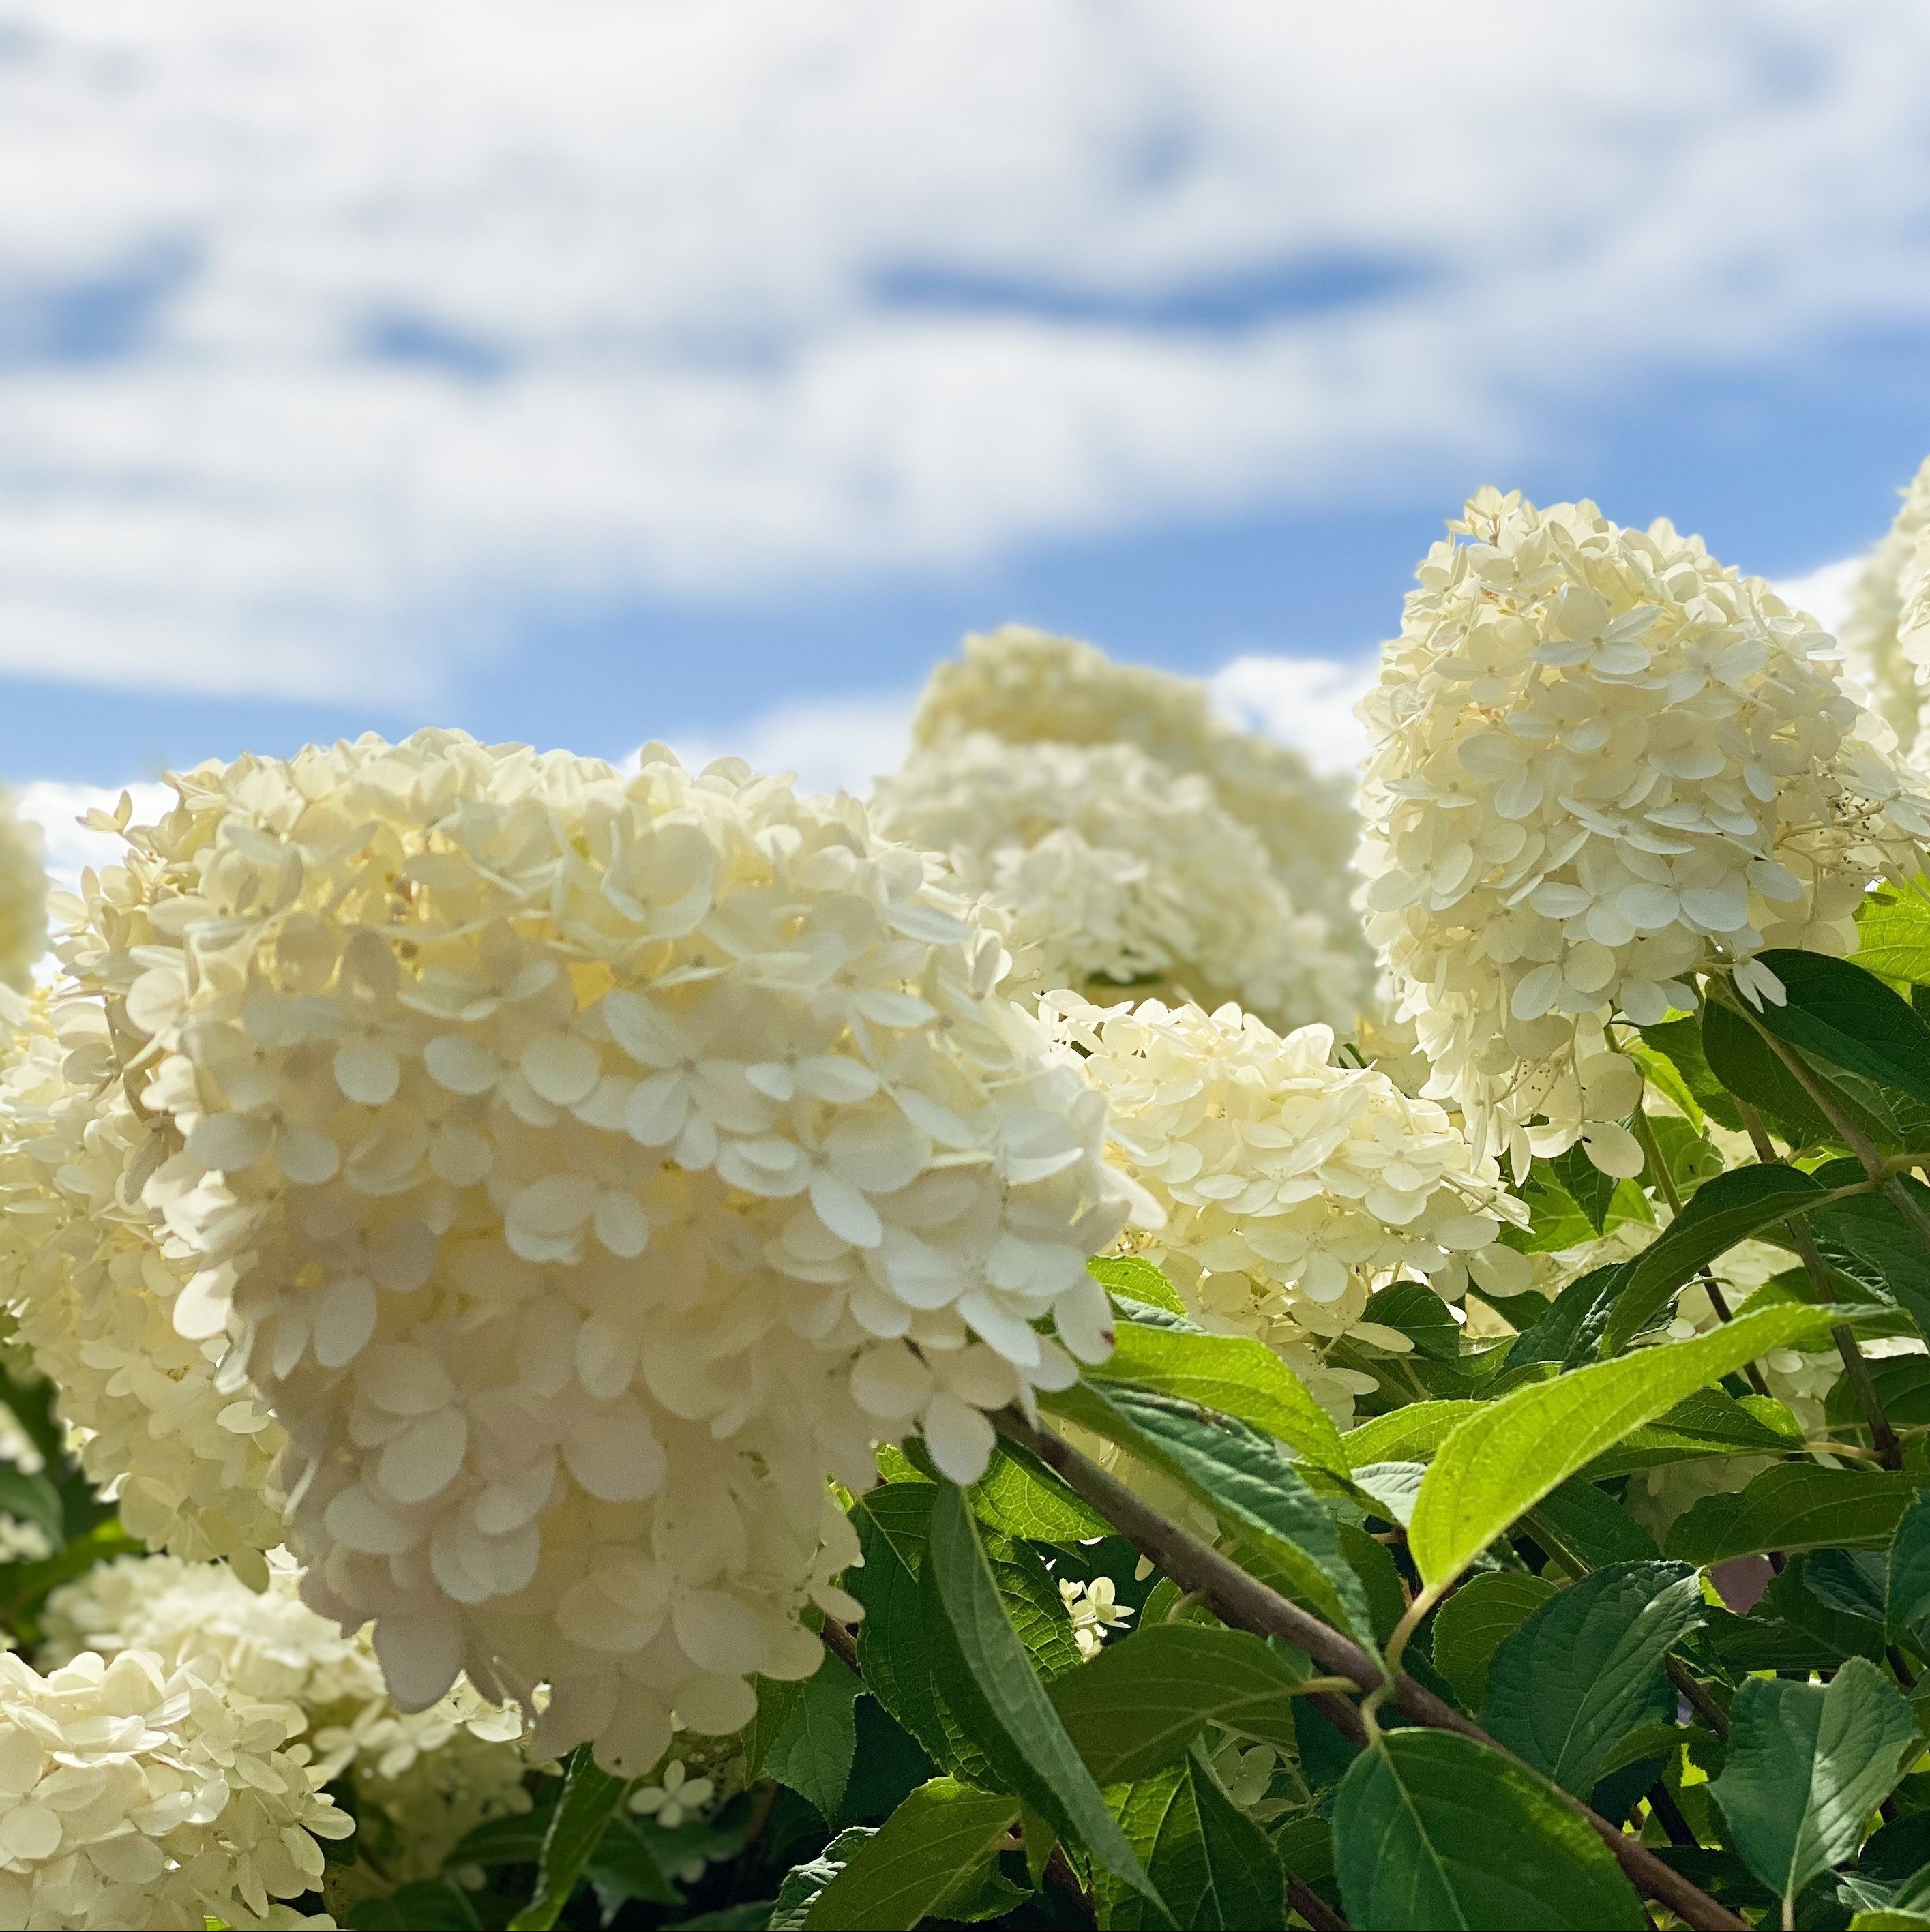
[
  {"x": 1668, "y": 1815},
  {"x": 1711, "y": 1712},
  {"x": 1245, "y": 1602},
  {"x": 1313, "y": 1907}
]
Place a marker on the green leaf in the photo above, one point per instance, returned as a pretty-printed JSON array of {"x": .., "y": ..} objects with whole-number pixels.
[
  {"x": 1502, "y": 1461},
  {"x": 1037, "y": 1757},
  {"x": 429, "y": 1906},
  {"x": 1867, "y": 1238},
  {"x": 590, "y": 1799},
  {"x": 1239, "y": 1475},
  {"x": 1902, "y": 1384},
  {"x": 1849, "y": 1018},
  {"x": 1232, "y": 1374},
  {"x": 1585, "y": 1668},
  {"x": 1807, "y": 1764},
  {"x": 777, "y": 1699},
  {"x": 1137, "y": 1707},
  {"x": 1577, "y": 1521},
  {"x": 504, "y": 1841},
  {"x": 1729, "y": 1209},
  {"x": 1889, "y": 1919},
  {"x": 1665, "y": 1077},
  {"x": 32, "y": 1498},
  {"x": 1709, "y": 1423},
  {"x": 804, "y": 1884},
  {"x": 813, "y": 1752},
  {"x": 1747, "y": 1065},
  {"x": 1893, "y": 929},
  {"x": 1412, "y": 1308},
  {"x": 638, "y": 1858},
  {"x": 1469, "y": 1627},
  {"x": 1907, "y": 1593},
  {"x": 1213, "y": 1865},
  {"x": 1409, "y": 1435},
  {"x": 1432, "y": 1830},
  {"x": 1793, "y": 1506},
  {"x": 1020, "y": 1495},
  {"x": 1137, "y": 1280},
  {"x": 1681, "y": 1045},
  {"x": 938, "y": 1843},
  {"x": 1568, "y": 1330}
]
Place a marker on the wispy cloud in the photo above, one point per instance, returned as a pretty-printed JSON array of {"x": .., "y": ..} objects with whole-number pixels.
[{"x": 329, "y": 331}]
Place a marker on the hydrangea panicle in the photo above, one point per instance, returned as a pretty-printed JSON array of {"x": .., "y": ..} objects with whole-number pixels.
[
  {"x": 584, "y": 1166},
  {"x": 1602, "y": 764},
  {"x": 1107, "y": 866},
  {"x": 1293, "y": 1188},
  {"x": 1885, "y": 633}
]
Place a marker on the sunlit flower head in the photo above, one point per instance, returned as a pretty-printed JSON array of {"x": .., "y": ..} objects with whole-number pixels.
[
  {"x": 23, "y": 896},
  {"x": 1601, "y": 764},
  {"x": 133, "y": 1795},
  {"x": 1110, "y": 869},
  {"x": 1294, "y": 1189},
  {"x": 1886, "y": 633},
  {"x": 585, "y": 1166}
]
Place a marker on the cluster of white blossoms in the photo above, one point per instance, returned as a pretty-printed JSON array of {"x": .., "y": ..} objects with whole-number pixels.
[
  {"x": 1028, "y": 686},
  {"x": 1094, "y": 1609},
  {"x": 23, "y": 897},
  {"x": 1886, "y": 632},
  {"x": 1106, "y": 866},
  {"x": 584, "y": 1167},
  {"x": 434, "y": 1774},
  {"x": 1601, "y": 764},
  {"x": 90, "y": 1280},
  {"x": 135, "y": 1796},
  {"x": 1293, "y": 1188}
]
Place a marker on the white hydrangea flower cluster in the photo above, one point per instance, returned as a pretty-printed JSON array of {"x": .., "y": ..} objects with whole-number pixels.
[
  {"x": 1026, "y": 685},
  {"x": 586, "y": 1166},
  {"x": 1106, "y": 866},
  {"x": 132, "y": 1796},
  {"x": 1094, "y": 1609},
  {"x": 23, "y": 897},
  {"x": 1293, "y": 1188},
  {"x": 1886, "y": 633},
  {"x": 1602, "y": 764},
  {"x": 90, "y": 1281}
]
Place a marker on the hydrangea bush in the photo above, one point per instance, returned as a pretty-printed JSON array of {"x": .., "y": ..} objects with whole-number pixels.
[{"x": 626, "y": 1347}]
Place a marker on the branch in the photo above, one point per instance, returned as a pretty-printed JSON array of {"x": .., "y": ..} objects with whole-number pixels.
[{"x": 1246, "y": 1603}]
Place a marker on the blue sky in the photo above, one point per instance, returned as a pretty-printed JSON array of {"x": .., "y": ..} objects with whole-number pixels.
[{"x": 614, "y": 370}]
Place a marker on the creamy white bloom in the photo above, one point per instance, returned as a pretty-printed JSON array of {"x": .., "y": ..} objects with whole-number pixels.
[
  {"x": 23, "y": 896},
  {"x": 1107, "y": 866},
  {"x": 1025, "y": 685},
  {"x": 1601, "y": 764},
  {"x": 558, "y": 1150},
  {"x": 90, "y": 1281},
  {"x": 1293, "y": 1188},
  {"x": 133, "y": 1795},
  {"x": 1094, "y": 1609},
  {"x": 1886, "y": 633},
  {"x": 431, "y": 1775},
  {"x": 676, "y": 1797}
]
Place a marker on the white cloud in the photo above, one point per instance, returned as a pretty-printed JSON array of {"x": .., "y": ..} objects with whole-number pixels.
[
  {"x": 328, "y": 331},
  {"x": 832, "y": 744},
  {"x": 1305, "y": 702}
]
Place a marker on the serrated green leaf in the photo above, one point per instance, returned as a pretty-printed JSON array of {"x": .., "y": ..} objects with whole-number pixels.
[
  {"x": 1793, "y": 1506},
  {"x": 812, "y": 1753},
  {"x": 1806, "y": 1766},
  {"x": 1137, "y": 1280},
  {"x": 1867, "y": 1238},
  {"x": 1902, "y": 1384},
  {"x": 1709, "y": 1423},
  {"x": 1665, "y": 1076},
  {"x": 1568, "y": 1330},
  {"x": 588, "y": 1801},
  {"x": 1432, "y": 1830},
  {"x": 1137, "y": 1707},
  {"x": 777, "y": 1699},
  {"x": 1238, "y": 1474},
  {"x": 1848, "y": 1017},
  {"x": 1213, "y": 1866},
  {"x": 1470, "y": 1627},
  {"x": 1232, "y": 1374},
  {"x": 1412, "y": 1308},
  {"x": 1012, "y": 1706},
  {"x": 1748, "y": 1067},
  {"x": 1019, "y": 1496},
  {"x": 1412, "y": 1434},
  {"x": 1500, "y": 1463},
  {"x": 1585, "y": 1668},
  {"x": 1893, "y": 932},
  {"x": 1732, "y": 1207},
  {"x": 1580, "y": 1523},
  {"x": 1846, "y": 1582},
  {"x": 1906, "y": 1590},
  {"x": 942, "y": 1838},
  {"x": 804, "y": 1884}
]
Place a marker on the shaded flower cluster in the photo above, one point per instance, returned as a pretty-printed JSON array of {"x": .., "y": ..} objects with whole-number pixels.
[
  {"x": 1601, "y": 764},
  {"x": 134, "y": 1796},
  {"x": 1107, "y": 866},
  {"x": 1293, "y": 1188},
  {"x": 1094, "y": 1609},
  {"x": 23, "y": 897},
  {"x": 90, "y": 1279},
  {"x": 433, "y": 1774},
  {"x": 1886, "y": 632},
  {"x": 1026, "y": 686},
  {"x": 585, "y": 1166}
]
